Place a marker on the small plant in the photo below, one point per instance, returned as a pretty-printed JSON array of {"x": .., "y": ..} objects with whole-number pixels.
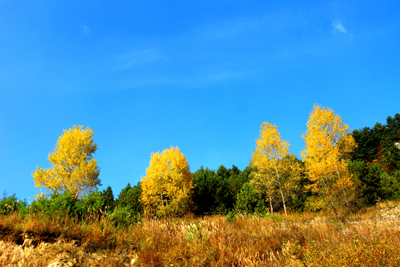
[
  {"x": 230, "y": 217},
  {"x": 124, "y": 216},
  {"x": 274, "y": 217},
  {"x": 11, "y": 204},
  {"x": 194, "y": 233}
]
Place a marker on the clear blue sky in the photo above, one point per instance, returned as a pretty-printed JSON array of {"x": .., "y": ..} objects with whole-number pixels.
[{"x": 200, "y": 75}]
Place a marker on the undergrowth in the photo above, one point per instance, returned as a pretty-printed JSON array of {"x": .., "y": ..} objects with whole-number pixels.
[{"x": 298, "y": 239}]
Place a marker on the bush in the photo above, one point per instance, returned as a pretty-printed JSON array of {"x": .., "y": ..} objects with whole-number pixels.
[
  {"x": 124, "y": 216},
  {"x": 230, "y": 217},
  {"x": 130, "y": 198},
  {"x": 91, "y": 205},
  {"x": 108, "y": 197},
  {"x": 369, "y": 176},
  {"x": 11, "y": 204},
  {"x": 249, "y": 200},
  {"x": 58, "y": 204},
  {"x": 391, "y": 185}
]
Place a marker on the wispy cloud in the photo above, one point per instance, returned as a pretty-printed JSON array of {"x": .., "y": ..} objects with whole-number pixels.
[
  {"x": 338, "y": 26},
  {"x": 85, "y": 29},
  {"x": 136, "y": 58}
]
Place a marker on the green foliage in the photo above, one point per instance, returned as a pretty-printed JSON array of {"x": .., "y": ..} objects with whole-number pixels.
[
  {"x": 93, "y": 204},
  {"x": 378, "y": 144},
  {"x": 230, "y": 217},
  {"x": 299, "y": 195},
  {"x": 108, "y": 197},
  {"x": 130, "y": 198},
  {"x": 249, "y": 200},
  {"x": 274, "y": 217},
  {"x": 11, "y": 204},
  {"x": 203, "y": 193},
  {"x": 58, "y": 204},
  {"x": 216, "y": 192},
  {"x": 391, "y": 185},
  {"x": 124, "y": 216},
  {"x": 195, "y": 234},
  {"x": 369, "y": 176}
]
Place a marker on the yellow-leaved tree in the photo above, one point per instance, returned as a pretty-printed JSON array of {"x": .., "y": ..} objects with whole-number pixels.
[
  {"x": 277, "y": 171},
  {"x": 73, "y": 167},
  {"x": 328, "y": 145},
  {"x": 167, "y": 186}
]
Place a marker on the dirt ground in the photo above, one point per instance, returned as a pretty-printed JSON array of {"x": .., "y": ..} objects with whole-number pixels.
[{"x": 57, "y": 255}]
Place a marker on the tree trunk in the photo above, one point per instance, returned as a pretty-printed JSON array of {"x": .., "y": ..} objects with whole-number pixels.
[
  {"x": 270, "y": 204},
  {"x": 344, "y": 192},
  {"x": 280, "y": 189},
  {"x": 283, "y": 200},
  {"x": 331, "y": 198}
]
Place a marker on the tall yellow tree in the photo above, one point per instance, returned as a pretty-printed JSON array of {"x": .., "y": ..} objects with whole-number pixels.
[
  {"x": 167, "y": 186},
  {"x": 73, "y": 167},
  {"x": 328, "y": 146},
  {"x": 276, "y": 169}
]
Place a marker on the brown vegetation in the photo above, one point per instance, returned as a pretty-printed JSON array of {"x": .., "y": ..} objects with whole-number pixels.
[{"x": 369, "y": 238}]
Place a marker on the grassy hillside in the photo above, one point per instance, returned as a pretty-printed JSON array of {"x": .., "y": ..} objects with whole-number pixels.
[{"x": 370, "y": 237}]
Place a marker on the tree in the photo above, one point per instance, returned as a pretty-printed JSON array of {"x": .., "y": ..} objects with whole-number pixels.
[
  {"x": 275, "y": 168},
  {"x": 73, "y": 167},
  {"x": 328, "y": 145},
  {"x": 369, "y": 176},
  {"x": 108, "y": 197},
  {"x": 130, "y": 198},
  {"x": 380, "y": 144},
  {"x": 167, "y": 186},
  {"x": 249, "y": 200},
  {"x": 204, "y": 190},
  {"x": 391, "y": 185},
  {"x": 216, "y": 191}
]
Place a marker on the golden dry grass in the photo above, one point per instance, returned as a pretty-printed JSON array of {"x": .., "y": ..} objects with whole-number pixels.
[{"x": 369, "y": 238}]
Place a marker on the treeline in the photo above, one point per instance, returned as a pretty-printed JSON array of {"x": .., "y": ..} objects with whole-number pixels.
[
  {"x": 374, "y": 166},
  {"x": 376, "y": 161}
]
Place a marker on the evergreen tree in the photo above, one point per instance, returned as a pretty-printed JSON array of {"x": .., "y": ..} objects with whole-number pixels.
[
  {"x": 108, "y": 198},
  {"x": 130, "y": 198},
  {"x": 249, "y": 200}
]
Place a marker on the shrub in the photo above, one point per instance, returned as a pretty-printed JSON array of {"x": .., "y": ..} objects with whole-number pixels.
[
  {"x": 249, "y": 200},
  {"x": 130, "y": 198},
  {"x": 92, "y": 204},
  {"x": 59, "y": 204},
  {"x": 11, "y": 204},
  {"x": 124, "y": 216},
  {"x": 391, "y": 185}
]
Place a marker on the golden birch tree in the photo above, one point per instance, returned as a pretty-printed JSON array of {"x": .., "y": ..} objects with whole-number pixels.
[
  {"x": 73, "y": 167},
  {"x": 276, "y": 169},
  {"x": 328, "y": 146},
  {"x": 167, "y": 186}
]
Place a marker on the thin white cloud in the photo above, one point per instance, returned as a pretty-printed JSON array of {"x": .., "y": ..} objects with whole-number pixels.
[
  {"x": 136, "y": 59},
  {"x": 85, "y": 29},
  {"x": 338, "y": 26}
]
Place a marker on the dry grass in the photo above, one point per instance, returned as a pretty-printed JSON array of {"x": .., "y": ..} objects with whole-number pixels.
[{"x": 370, "y": 238}]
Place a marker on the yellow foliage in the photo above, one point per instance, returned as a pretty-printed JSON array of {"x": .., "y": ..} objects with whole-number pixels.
[
  {"x": 275, "y": 168},
  {"x": 167, "y": 186},
  {"x": 328, "y": 145},
  {"x": 73, "y": 167}
]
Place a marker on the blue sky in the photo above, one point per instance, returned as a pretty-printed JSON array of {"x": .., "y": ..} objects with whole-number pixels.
[{"x": 200, "y": 75}]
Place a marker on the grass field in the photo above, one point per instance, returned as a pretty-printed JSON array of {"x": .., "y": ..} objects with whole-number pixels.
[{"x": 369, "y": 238}]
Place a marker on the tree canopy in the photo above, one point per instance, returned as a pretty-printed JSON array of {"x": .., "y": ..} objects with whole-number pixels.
[
  {"x": 275, "y": 169},
  {"x": 167, "y": 186},
  {"x": 73, "y": 166},
  {"x": 328, "y": 145}
]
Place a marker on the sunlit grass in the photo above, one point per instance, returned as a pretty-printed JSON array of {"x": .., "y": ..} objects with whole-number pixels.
[{"x": 296, "y": 239}]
